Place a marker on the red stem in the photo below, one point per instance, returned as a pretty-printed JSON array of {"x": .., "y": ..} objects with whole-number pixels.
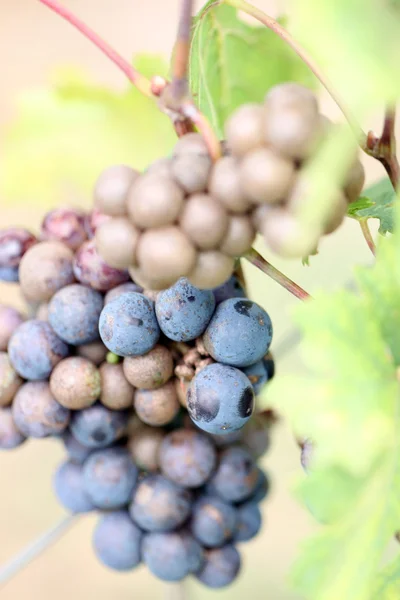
[
  {"x": 141, "y": 82},
  {"x": 367, "y": 235}
]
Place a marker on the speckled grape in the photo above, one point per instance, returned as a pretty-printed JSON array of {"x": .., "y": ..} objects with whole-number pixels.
[
  {"x": 97, "y": 426},
  {"x": 90, "y": 269},
  {"x": 117, "y": 541},
  {"x": 236, "y": 476},
  {"x": 213, "y": 521},
  {"x": 14, "y": 242},
  {"x": 65, "y": 225},
  {"x": 157, "y": 407},
  {"x": 75, "y": 383},
  {"x": 36, "y": 413}
]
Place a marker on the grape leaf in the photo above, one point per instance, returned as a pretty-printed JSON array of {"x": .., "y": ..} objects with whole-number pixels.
[
  {"x": 387, "y": 585},
  {"x": 348, "y": 403},
  {"x": 377, "y": 202},
  {"x": 232, "y": 62},
  {"x": 65, "y": 134}
]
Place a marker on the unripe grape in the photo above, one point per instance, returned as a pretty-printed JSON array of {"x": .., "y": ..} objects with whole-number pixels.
[
  {"x": 260, "y": 213},
  {"x": 111, "y": 189},
  {"x": 75, "y": 383},
  {"x": 144, "y": 446},
  {"x": 96, "y": 352},
  {"x": 150, "y": 371},
  {"x": 265, "y": 176},
  {"x": 42, "y": 313},
  {"x": 181, "y": 387},
  {"x": 291, "y": 95},
  {"x": 225, "y": 185},
  {"x": 355, "y": 181},
  {"x": 204, "y": 221},
  {"x": 292, "y": 131},
  {"x": 239, "y": 237},
  {"x": 116, "y": 242},
  {"x": 191, "y": 143},
  {"x": 142, "y": 279},
  {"x": 154, "y": 201},
  {"x": 10, "y": 319},
  {"x": 162, "y": 167},
  {"x": 123, "y": 288},
  {"x": 287, "y": 236},
  {"x": 244, "y": 129},
  {"x": 212, "y": 269},
  {"x": 10, "y": 381},
  {"x": 157, "y": 407},
  {"x": 116, "y": 392},
  {"x": 337, "y": 213},
  {"x": 66, "y": 225},
  {"x": 191, "y": 172},
  {"x": 164, "y": 255}
]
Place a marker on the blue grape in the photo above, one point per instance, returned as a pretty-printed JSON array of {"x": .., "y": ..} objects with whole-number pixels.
[
  {"x": 213, "y": 521},
  {"x": 74, "y": 313},
  {"x": 257, "y": 374},
  {"x": 221, "y": 567},
  {"x": 9, "y": 274},
  {"x": 187, "y": 457},
  {"x": 269, "y": 365},
  {"x": 239, "y": 334},
  {"x": 36, "y": 413},
  {"x": 123, "y": 288},
  {"x": 256, "y": 437},
  {"x": 183, "y": 311},
  {"x": 128, "y": 325},
  {"x": 236, "y": 476},
  {"x": 10, "y": 436},
  {"x": 230, "y": 289},
  {"x": 262, "y": 488},
  {"x": 220, "y": 399},
  {"x": 34, "y": 350},
  {"x": 171, "y": 556},
  {"x": 117, "y": 541},
  {"x": 77, "y": 452},
  {"x": 159, "y": 504},
  {"x": 98, "y": 426},
  {"x": 248, "y": 523},
  {"x": 110, "y": 477},
  {"x": 69, "y": 488}
]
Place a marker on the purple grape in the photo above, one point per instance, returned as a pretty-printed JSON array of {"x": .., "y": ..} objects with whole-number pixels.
[
  {"x": 77, "y": 452},
  {"x": 34, "y": 350},
  {"x": 220, "y": 399},
  {"x": 14, "y": 242},
  {"x": 221, "y": 567},
  {"x": 36, "y": 413},
  {"x": 230, "y": 289},
  {"x": 237, "y": 475},
  {"x": 93, "y": 220},
  {"x": 213, "y": 521},
  {"x": 128, "y": 325},
  {"x": 171, "y": 556},
  {"x": 239, "y": 333},
  {"x": 187, "y": 457},
  {"x": 117, "y": 541},
  {"x": 98, "y": 426},
  {"x": 69, "y": 488},
  {"x": 183, "y": 311},
  {"x": 90, "y": 269},
  {"x": 74, "y": 313},
  {"x": 110, "y": 477},
  {"x": 159, "y": 504},
  {"x": 249, "y": 522},
  {"x": 10, "y": 436},
  {"x": 65, "y": 225},
  {"x": 124, "y": 288}
]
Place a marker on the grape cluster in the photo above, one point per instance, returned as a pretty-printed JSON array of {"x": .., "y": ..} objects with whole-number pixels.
[{"x": 151, "y": 394}]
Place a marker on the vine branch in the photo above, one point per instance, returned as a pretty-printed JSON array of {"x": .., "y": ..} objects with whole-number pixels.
[
  {"x": 258, "y": 261},
  {"x": 367, "y": 235},
  {"x": 179, "y": 85},
  {"x": 383, "y": 148}
]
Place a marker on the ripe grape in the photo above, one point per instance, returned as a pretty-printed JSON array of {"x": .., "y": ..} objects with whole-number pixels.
[
  {"x": 116, "y": 242},
  {"x": 159, "y": 504},
  {"x": 9, "y": 274},
  {"x": 221, "y": 566},
  {"x": 128, "y": 325},
  {"x": 37, "y": 413},
  {"x": 244, "y": 129},
  {"x": 183, "y": 311},
  {"x": 157, "y": 407},
  {"x": 10, "y": 436},
  {"x": 187, "y": 457},
  {"x": 212, "y": 269},
  {"x": 14, "y": 242},
  {"x": 171, "y": 555},
  {"x": 90, "y": 269},
  {"x": 117, "y": 541},
  {"x": 266, "y": 177},
  {"x": 239, "y": 334},
  {"x": 232, "y": 288},
  {"x": 109, "y": 478},
  {"x": 256, "y": 437},
  {"x": 94, "y": 220},
  {"x": 44, "y": 269},
  {"x": 77, "y": 452},
  {"x": 34, "y": 350},
  {"x": 111, "y": 189},
  {"x": 66, "y": 225},
  {"x": 10, "y": 382},
  {"x": 205, "y": 221},
  {"x": 97, "y": 426},
  {"x": 74, "y": 313},
  {"x": 154, "y": 201},
  {"x": 239, "y": 237},
  {"x": 262, "y": 488},
  {"x": 96, "y": 352},
  {"x": 225, "y": 185},
  {"x": 75, "y": 383},
  {"x": 236, "y": 477},
  {"x": 269, "y": 365},
  {"x": 248, "y": 522},
  {"x": 191, "y": 143},
  {"x": 144, "y": 445},
  {"x": 258, "y": 375},
  {"x": 69, "y": 488},
  {"x": 150, "y": 371},
  {"x": 164, "y": 255},
  {"x": 123, "y": 288},
  {"x": 116, "y": 392},
  {"x": 213, "y": 521},
  {"x": 220, "y": 399},
  {"x": 191, "y": 172}
]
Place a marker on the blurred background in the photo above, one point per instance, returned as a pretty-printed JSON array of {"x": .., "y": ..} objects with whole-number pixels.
[{"x": 32, "y": 42}]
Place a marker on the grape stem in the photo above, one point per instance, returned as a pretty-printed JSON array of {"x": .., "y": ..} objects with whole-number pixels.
[
  {"x": 383, "y": 148},
  {"x": 367, "y": 235},
  {"x": 258, "y": 261}
]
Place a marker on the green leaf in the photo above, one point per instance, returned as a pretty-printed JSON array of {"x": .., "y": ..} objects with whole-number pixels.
[
  {"x": 348, "y": 404},
  {"x": 377, "y": 202},
  {"x": 388, "y": 582},
  {"x": 232, "y": 62},
  {"x": 65, "y": 134}
]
